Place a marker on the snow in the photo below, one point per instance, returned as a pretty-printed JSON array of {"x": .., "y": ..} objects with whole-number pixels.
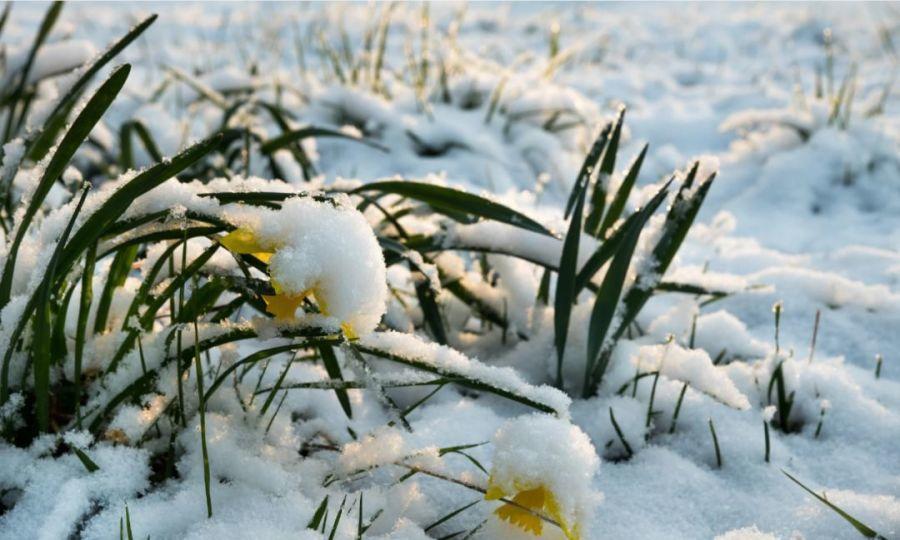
[{"x": 804, "y": 211}]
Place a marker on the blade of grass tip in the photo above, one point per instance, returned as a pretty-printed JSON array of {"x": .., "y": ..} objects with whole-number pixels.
[
  {"x": 198, "y": 364},
  {"x": 618, "y": 430},
  {"x": 610, "y": 291},
  {"x": 863, "y": 529},
  {"x": 430, "y": 310},
  {"x": 5, "y": 16},
  {"x": 678, "y": 407},
  {"x": 879, "y": 360},
  {"x": 85, "y": 460},
  {"x": 618, "y": 204},
  {"x": 333, "y": 368},
  {"x": 715, "y": 439},
  {"x": 318, "y": 515},
  {"x": 445, "y": 199},
  {"x": 587, "y": 168},
  {"x": 42, "y": 356},
  {"x": 607, "y": 165},
  {"x": 57, "y": 117},
  {"x": 337, "y": 519},
  {"x": 78, "y": 132},
  {"x": 84, "y": 309},
  {"x": 359, "y": 524},
  {"x": 565, "y": 283},
  {"x": 815, "y": 333},
  {"x": 128, "y": 523},
  {"x": 452, "y": 514},
  {"x": 43, "y": 32}
]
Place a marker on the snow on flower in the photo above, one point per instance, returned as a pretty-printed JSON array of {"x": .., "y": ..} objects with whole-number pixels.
[
  {"x": 322, "y": 251},
  {"x": 544, "y": 466}
]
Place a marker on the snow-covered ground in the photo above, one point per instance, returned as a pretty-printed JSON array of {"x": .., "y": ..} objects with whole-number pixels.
[{"x": 805, "y": 210}]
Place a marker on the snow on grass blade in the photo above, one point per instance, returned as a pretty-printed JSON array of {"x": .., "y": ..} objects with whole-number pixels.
[
  {"x": 15, "y": 96},
  {"x": 76, "y": 134},
  {"x": 863, "y": 529},
  {"x": 42, "y": 354},
  {"x": 607, "y": 299},
  {"x": 445, "y": 199},
  {"x": 618, "y": 203},
  {"x": 329, "y": 359},
  {"x": 97, "y": 223},
  {"x": 409, "y": 350},
  {"x": 587, "y": 169},
  {"x": 592, "y": 224}
]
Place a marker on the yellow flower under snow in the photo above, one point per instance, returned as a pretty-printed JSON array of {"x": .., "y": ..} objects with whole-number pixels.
[
  {"x": 281, "y": 305},
  {"x": 543, "y": 468},
  {"x": 530, "y": 505}
]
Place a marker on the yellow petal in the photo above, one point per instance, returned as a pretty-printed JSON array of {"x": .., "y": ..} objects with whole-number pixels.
[
  {"x": 532, "y": 499},
  {"x": 349, "y": 332},
  {"x": 493, "y": 492},
  {"x": 243, "y": 241},
  {"x": 283, "y": 306}
]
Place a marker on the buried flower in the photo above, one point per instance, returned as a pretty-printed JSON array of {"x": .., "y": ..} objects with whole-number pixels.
[
  {"x": 544, "y": 466},
  {"x": 318, "y": 251}
]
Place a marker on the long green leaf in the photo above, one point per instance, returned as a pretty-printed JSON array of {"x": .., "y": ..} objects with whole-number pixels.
[
  {"x": 57, "y": 117},
  {"x": 618, "y": 203},
  {"x": 79, "y": 131},
  {"x": 863, "y": 529},
  {"x": 297, "y": 135},
  {"x": 607, "y": 299},
  {"x": 42, "y": 357},
  {"x": 326, "y": 351},
  {"x": 445, "y": 199},
  {"x": 565, "y": 282}
]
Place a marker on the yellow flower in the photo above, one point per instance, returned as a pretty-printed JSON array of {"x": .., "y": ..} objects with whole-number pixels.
[
  {"x": 281, "y": 305},
  {"x": 242, "y": 241},
  {"x": 530, "y": 501}
]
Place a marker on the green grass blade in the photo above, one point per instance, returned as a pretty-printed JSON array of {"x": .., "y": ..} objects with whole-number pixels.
[
  {"x": 85, "y": 460},
  {"x": 618, "y": 204},
  {"x": 565, "y": 283},
  {"x": 56, "y": 120},
  {"x": 587, "y": 169},
  {"x": 41, "y": 352},
  {"x": 610, "y": 291},
  {"x": 118, "y": 273},
  {"x": 319, "y": 515},
  {"x": 334, "y": 372},
  {"x": 445, "y": 199},
  {"x": 291, "y": 137},
  {"x": 863, "y": 529},
  {"x": 16, "y": 95},
  {"x": 79, "y": 131},
  {"x": 607, "y": 165}
]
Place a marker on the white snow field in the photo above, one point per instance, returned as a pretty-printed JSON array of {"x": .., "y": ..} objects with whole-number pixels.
[{"x": 375, "y": 359}]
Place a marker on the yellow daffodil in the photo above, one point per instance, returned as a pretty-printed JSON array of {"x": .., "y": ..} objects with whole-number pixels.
[
  {"x": 542, "y": 471},
  {"x": 281, "y": 305},
  {"x": 529, "y": 504},
  {"x": 242, "y": 241}
]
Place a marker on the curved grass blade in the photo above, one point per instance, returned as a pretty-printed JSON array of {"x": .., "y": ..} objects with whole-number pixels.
[
  {"x": 79, "y": 131},
  {"x": 291, "y": 137},
  {"x": 56, "y": 120},
  {"x": 445, "y": 199},
  {"x": 618, "y": 204}
]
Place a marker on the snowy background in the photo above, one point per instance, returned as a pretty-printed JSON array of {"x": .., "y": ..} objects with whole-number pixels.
[{"x": 803, "y": 211}]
